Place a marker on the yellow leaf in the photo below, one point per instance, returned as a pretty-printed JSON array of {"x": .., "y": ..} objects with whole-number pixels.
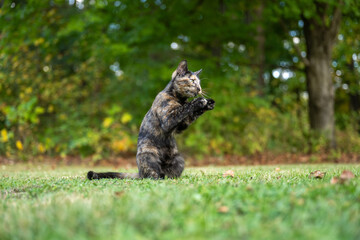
[
  {"x": 126, "y": 117},
  {"x": 39, "y": 110},
  {"x": 63, "y": 116},
  {"x": 4, "y": 135},
  {"x": 48, "y": 58},
  {"x": 107, "y": 122},
  {"x": 41, "y": 148},
  {"x": 236, "y": 119},
  {"x": 39, "y": 41},
  {"x": 19, "y": 145},
  {"x": 213, "y": 144},
  {"x": 50, "y": 109},
  {"x": 120, "y": 145},
  {"x": 28, "y": 90},
  {"x": 51, "y": 12}
]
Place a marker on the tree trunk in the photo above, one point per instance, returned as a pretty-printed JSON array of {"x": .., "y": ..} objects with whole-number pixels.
[
  {"x": 354, "y": 94},
  {"x": 320, "y": 37},
  {"x": 321, "y": 96},
  {"x": 353, "y": 84},
  {"x": 260, "y": 38},
  {"x": 216, "y": 43}
]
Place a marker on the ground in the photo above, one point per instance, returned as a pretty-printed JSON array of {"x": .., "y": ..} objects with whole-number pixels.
[
  {"x": 266, "y": 158},
  {"x": 253, "y": 202}
]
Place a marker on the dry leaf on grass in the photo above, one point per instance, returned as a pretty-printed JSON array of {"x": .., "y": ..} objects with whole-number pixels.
[
  {"x": 223, "y": 209},
  {"x": 229, "y": 173},
  {"x": 317, "y": 174},
  {"x": 119, "y": 194},
  {"x": 53, "y": 166},
  {"x": 334, "y": 180},
  {"x": 345, "y": 176}
]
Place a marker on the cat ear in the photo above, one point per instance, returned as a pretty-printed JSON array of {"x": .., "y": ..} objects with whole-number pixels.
[
  {"x": 182, "y": 68},
  {"x": 198, "y": 72},
  {"x": 174, "y": 74}
]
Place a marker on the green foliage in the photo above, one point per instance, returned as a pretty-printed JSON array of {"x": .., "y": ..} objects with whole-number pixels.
[
  {"x": 257, "y": 203},
  {"x": 77, "y": 77}
]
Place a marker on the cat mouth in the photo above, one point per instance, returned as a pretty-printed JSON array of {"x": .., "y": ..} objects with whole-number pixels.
[
  {"x": 199, "y": 92},
  {"x": 191, "y": 93}
]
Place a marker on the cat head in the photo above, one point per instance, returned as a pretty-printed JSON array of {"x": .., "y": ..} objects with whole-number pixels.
[{"x": 186, "y": 83}]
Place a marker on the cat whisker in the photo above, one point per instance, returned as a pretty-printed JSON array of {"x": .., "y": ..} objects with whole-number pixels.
[
  {"x": 204, "y": 89},
  {"x": 204, "y": 94}
]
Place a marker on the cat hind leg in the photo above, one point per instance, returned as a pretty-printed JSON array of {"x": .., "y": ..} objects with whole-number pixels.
[
  {"x": 175, "y": 168},
  {"x": 148, "y": 165}
]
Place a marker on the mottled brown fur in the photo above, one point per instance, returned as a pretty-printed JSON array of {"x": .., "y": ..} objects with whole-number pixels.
[{"x": 157, "y": 153}]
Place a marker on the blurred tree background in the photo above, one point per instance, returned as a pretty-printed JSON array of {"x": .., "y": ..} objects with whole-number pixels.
[{"x": 77, "y": 76}]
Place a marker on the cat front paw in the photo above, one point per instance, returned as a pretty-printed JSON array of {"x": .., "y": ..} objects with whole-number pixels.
[
  {"x": 210, "y": 104},
  {"x": 200, "y": 103}
]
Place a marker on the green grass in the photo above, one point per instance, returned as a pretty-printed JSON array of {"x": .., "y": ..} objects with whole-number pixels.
[{"x": 258, "y": 203}]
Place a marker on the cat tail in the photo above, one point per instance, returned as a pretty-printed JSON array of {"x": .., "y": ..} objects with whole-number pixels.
[{"x": 94, "y": 175}]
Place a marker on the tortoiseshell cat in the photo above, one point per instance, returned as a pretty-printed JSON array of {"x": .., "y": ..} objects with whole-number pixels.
[{"x": 157, "y": 154}]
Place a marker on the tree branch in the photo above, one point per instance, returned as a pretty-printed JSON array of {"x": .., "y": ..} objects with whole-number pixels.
[
  {"x": 304, "y": 59},
  {"x": 335, "y": 23},
  {"x": 297, "y": 49}
]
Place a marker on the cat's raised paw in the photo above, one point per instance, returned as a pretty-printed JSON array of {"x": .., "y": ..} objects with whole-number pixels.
[
  {"x": 210, "y": 104},
  {"x": 200, "y": 102}
]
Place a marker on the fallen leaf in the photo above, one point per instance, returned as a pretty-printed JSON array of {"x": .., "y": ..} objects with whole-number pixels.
[
  {"x": 317, "y": 174},
  {"x": 53, "y": 166},
  {"x": 228, "y": 173},
  {"x": 300, "y": 201},
  {"x": 334, "y": 180},
  {"x": 223, "y": 209},
  {"x": 346, "y": 175},
  {"x": 119, "y": 194}
]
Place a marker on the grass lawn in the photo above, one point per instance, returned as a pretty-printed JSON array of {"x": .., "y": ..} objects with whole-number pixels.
[{"x": 257, "y": 203}]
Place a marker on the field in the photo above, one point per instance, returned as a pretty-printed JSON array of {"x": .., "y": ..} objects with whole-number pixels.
[{"x": 262, "y": 202}]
